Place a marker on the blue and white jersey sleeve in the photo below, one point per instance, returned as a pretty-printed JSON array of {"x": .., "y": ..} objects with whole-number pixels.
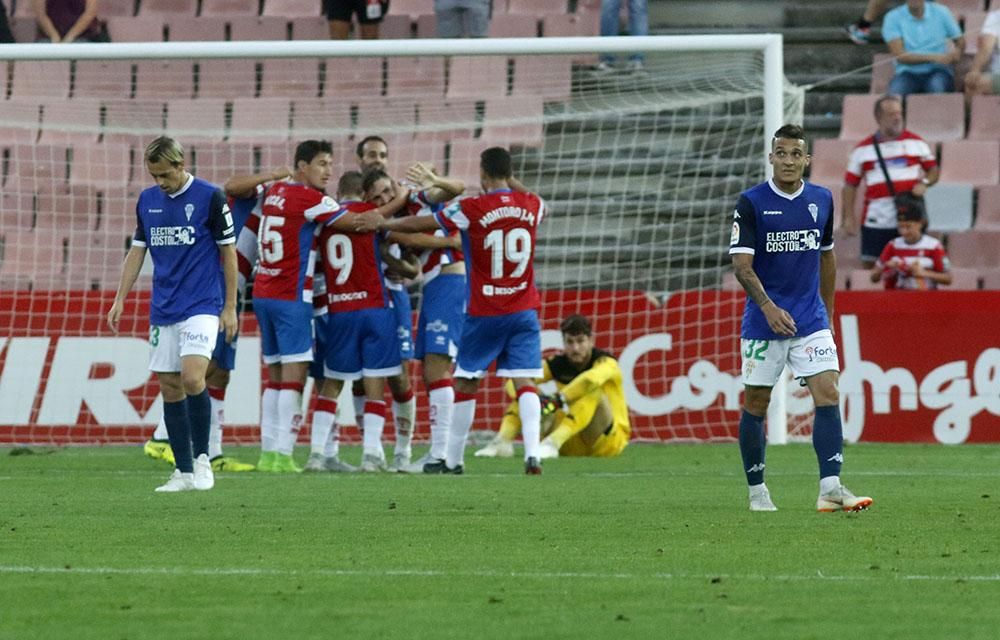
[
  {"x": 220, "y": 219},
  {"x": 139, "y": 237},
  {"x": 744, "y": 235}
]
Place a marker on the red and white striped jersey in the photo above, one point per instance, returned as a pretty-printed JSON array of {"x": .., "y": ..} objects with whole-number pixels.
[
  {"x": 431, "y": 260},
  {"x": 498, "y": 239},
  {"x": 907, "y": 158},
  {"x": 352, "y": 265},
  {"x": 285, "y": 240},
  {"x": 928, "y": 251}
]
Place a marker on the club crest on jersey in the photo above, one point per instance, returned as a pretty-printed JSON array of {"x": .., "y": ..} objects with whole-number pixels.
[
  {"x": 813, "y": 210},
  {"x": 189, "y": 211}
]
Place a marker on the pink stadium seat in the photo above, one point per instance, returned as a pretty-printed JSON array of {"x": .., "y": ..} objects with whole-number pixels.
[
  {"x": 295, "y": 8},
  {"x": 195, "y": 121},
  {"x": 984, "y": 118},
  {"x": 463, "y": 161},
  {"x": 514, "y": 121},
  {"x": 320, "y": 118},
  {"x": 396, "y": 26},
  {"x": 848, "y": 251},
  {"x": 860, "y": 281},
  {"x": 963, "y": 279},
  {"x": 446, "y": 121},
  {"x": 937, "y": 117},
  {"x": 103, "y": 79},
  {"x": 226, "y": 77},
  {"x": 260, "y": 119},
  {"x": 168, "y": 79},
  {"x": 21, "y": 10},
  {"x": 882, "y": 71},
  {"x": 168, "y": 8},
  {"x": 245, "y": 28},
  {"x": 281, "y": 154},
  {"x": 41, "y": 78},
  {"x": 960, "y": 8},
  {"x": 220, "y": 161},
  {"x": 413, "y": 8},
  {"x": 381, "y": 116},
  {"x": 858, "y": 116},
  {"x": 829, "y": 160},
  {"x": 413, "y": 76},
  {"x": 536, "y": 7},
  {"x": 426, "y": 25},
  {"x": 17, "y": 205},
  {"x": 103, "y": 165},
  {"x": 567, "y": 25},
  {"x": 45, "y": 164},
  {"x": 310, "y": 28},
  {"x": 988, "y": 208},
  {"x": 991, "y": 279},
  {"x": 229, "y": 7},
  {"x": 973, "y": 25},
  {"x": 976, "y": 248},
  {"x": 289, "y": 78},
  {"x": 191, "y": 29},
  {"x": 38, "y": 256},
  {"x": 405, "y": 150},
  {"x": 479, "y": 77},
  {"x": 515, "y": 25},
  {"x": 71, "y": 123},
  {"x": 73, "y": 213},
  {"x": 21, "y": 122},
  {"x": 127, "y": 29},
  {"x": 347, "y": 78},
  {"x": 550, "y": 77},
  {"x": 117, "y": 8},
  {"x": 975, "y": 162},
  {"x": 128, "y": 121}
]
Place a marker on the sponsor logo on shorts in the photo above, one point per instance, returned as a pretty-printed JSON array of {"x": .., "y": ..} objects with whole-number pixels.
[
  {"x": 492, "y": 290},
  {"x": 188, "y": 337},
  {"x": 821, "y": 354}
]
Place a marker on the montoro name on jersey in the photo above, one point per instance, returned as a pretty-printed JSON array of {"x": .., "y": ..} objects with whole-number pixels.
[{"x": 507, "y": 212}]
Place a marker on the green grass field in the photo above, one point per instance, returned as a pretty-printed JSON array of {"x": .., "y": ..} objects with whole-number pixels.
[{"x": 656, "y": 544}]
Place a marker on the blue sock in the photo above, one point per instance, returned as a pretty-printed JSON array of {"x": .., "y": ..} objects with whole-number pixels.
[
  {"x": 828, "y": 440},
  {"x": 175, "y": 415},
  {"x": 752, "y": 447},
  {"x": 200, "y": 414}
]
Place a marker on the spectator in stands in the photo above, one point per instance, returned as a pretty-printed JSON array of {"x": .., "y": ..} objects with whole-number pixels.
[
  {"x": 926, "y": 41},
  {"x": 5, "y": 35},
  {"x": 910, "y": 163},
  {"x": 977, "y": 82},
  {"x": 68, "y": 21},
  {"x": 638, "y": 25},
  {"x": 859, "y": 31},
  {"x": 914, "y": 260},
  {"x": 463, "y": 18},
  {"x": 368, "y": 12}
]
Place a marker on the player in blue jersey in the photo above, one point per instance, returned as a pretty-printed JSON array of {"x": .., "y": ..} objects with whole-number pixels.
[
  {"x": 782, "y": 252},
  {"x": 187, "y": 227}
]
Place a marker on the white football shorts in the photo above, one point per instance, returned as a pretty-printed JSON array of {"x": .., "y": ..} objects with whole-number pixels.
[
  {"x": 192, "y": 337},
  {"x": 764, "y": 360}
]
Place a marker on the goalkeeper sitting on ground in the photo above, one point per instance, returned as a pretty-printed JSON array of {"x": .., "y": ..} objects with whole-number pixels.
[{"x": 588, "y": 416}]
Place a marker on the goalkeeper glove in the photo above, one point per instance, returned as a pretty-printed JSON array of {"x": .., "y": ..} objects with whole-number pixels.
[{"x": 551, "y": 404}]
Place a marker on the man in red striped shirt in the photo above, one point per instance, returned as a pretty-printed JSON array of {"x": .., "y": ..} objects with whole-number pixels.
[{"x": 911, "y": 165}]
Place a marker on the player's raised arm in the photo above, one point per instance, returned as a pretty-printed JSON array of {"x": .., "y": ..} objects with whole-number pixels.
[
  {"x": 436, "y": 188},
  {"x": 245, "y": 186}
]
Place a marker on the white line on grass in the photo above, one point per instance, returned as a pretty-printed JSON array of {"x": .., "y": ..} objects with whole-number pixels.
[{"x": 392, "y": 573}]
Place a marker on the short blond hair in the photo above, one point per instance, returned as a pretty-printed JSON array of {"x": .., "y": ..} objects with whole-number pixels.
[{"x": 165, "y": 148}]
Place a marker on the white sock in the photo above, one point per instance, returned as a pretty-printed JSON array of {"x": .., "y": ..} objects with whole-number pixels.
[
  {"x": 331, "y": 448},
  {"x": 289, "y": 419},
  {"x": 402, "y": 417},
  {"x": 269, "y": 419},
  {"x": 322, "y": 424},
  {"x": 465, "y": 412},
  {"x": 374, "y": 421},
  {"x": 530, "y": 409},
  {"x": 217, "y": 398},
  {"x": 442, "y": 408},
  {"x": 161, "y": 430},
  {"x": 828, "y": 484}
]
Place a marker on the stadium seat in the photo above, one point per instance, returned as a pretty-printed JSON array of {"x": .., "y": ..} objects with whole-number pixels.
[
  {"x": 289, "y": 78},
  {"x": 861, "y": 281},
  {"x": 380, "y": 117},
  {"x": 937, "y": 117},
  {"x": 480, "y": 77},
  {"x": 103, "y": 79},
  {"x": 191, "y": 29},
  {"x": 21, "y": 122},
  {"x": 260, "y": 119},
  {"x": 963, "y": 279},
  {"x": 38, "y": 256},
  {"x": 960, "y": 8},
  {"x": 127, "y": 29},
  {"x": 282, "y": 154},
  {"x": 514, "y": 121},
  {"x": 218, "y": 162},
  {"x": 101, "y": 165},
  {"x": 848, "y": 251},
  {"x": 463, "y": 161},
  {"x": 515, "y": 25},
  {"x": 310, "y": 28},
  {"x": 988, "y": 208},
  {"x": 347, "y": 78},
  {"x": 226, "y": 78},
  {"x": 829, "y": 160},
  {"x": 229, "y": 7},
  {"x": 984, "y": 118},
  {"x": 117, "y": 8},
  {"x": 46, "y": 164},
  {"x": 320, "y": 118},
  {"x": 972, "y": 26},
  {"x": 396, "y": 26},
  {"x": 415, "y": 76},
  {"x": 73, "y": 213},
  {"x": 426, "y": 25},
  {"x": 405, "y": 150},
  {"x": 41, "y": 78},
  {"x": 991, "y": 279},
  {"x": 974, "y": 248},
  {"x": 246, "y": 28},
  {"x": 168, "y": 79},
  {"x": 550, "y": 77},
  {"x": 168, "y": 8},
  {"x": 17, "y": 204},
  {"x": 883, "y": 69},
  {"x": 196, "y": 121},
  {"x": 131, "y": 120},
  {"x": 857, "y": 119},
  {"x": 413, "y": 8},
  {"x": 568, "y": 25},
  {"x": 537, "y": 7},
  {"x": 949, "y": 207},
  {"x": 447, "y": 120},
  {"x": 294, "y": 8},
  {"x": 974, "y": 162},
  {"x": 71, "y": 123}
]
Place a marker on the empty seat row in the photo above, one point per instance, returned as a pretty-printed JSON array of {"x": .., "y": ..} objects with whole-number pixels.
[{"x": 934, "y": 117}]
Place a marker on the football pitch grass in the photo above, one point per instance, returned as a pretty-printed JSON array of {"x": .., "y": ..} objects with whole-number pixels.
[{"x": 658, "y": 543}]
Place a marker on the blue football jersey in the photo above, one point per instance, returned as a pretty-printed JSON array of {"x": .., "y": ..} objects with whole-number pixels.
[
  {"x": 785, "y": 234},
  {"x": 181, "y": 231}
]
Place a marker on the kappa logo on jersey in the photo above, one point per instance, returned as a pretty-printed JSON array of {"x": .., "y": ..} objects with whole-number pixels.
[
  {"x": 437, "y": 327},
  {"x": 734, "y": 239},
  {"x": 813, "y": 211},
  {"x": 790, "y": 241},
  {"x": 171, "y": 236},
  {"x": 736, "y": 214},
  {"x": 189, "y": 211},
  {"x": 773, "y": 213}
]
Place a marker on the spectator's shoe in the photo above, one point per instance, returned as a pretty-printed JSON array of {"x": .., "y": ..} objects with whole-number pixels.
[
  {"x": 231, "y": 465},
  {"x": 371, "y": 463},
  {"x": 497, "y": 448},
  {"x": 159, "y": 450},
  {"x": 635, "y": 66},
  {"x": 547, "y": 449},
  {"x": 266, "y": 461},
  {"x": 858, "y": 34},
  {"x": 400, "y": 463},
  {"x": 178, "y": 482},
  {"x": 603, "y": 69},
  {"x": 284, "y": 464},
  {"x": 533, "y": 466},
  {"x": 335, "y": 465},
  {"x": 204, "y": 479},
  {"x": 841, "y": 499},
  {"x": 760, "y": 499},
  {"x": 434, "y": 466},
  {"x": 315, "y": 462}
]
